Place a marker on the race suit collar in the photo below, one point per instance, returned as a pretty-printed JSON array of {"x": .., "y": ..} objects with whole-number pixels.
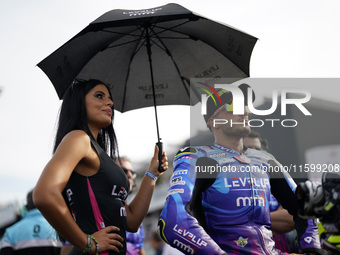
[{"x": 227, "y": 149}]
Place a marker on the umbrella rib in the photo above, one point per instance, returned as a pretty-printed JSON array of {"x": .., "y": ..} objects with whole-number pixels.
[
  {"x": 171, "y": 57},
  {"x": 137, "y": 48},
  {"x": 116, "y": 45},
  {"x": 120, "y": 33},
  {"x": 121, "y": 44},
  {"x": 140, "y": 29},
  {"x": 171, "y": 28},
  {"x": 137, "y": 40},
  {"x": 124, "y": 34},
  {"x": 173, "y": 37},
  {"x": 140, "y": 36}
]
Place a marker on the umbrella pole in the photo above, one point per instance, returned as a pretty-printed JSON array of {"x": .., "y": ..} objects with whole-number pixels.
[
  {"x": 148, "y": 47},
  {"x": 159, "y": 143}
]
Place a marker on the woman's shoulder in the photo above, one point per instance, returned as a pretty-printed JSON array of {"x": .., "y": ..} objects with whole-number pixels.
[
  {"x": 77, "y": 137},
  {"x": 76, "y": 142}
]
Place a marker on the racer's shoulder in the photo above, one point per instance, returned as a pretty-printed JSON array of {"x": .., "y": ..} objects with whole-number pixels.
[
  {"x": 194, "y": 151},
  {"x": 186, "y": 151},
  {"x": 264, "y": 155}
]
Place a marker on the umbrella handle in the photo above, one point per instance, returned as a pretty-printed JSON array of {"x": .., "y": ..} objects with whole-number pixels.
[{"x": 160, "y": 156}]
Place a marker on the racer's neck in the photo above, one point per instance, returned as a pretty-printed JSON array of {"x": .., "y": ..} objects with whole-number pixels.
[{"x": 232, "y": 142}]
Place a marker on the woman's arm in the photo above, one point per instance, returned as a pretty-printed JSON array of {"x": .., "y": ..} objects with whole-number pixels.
[
  {"x": 139, "y": 206},
  {"x": 48, "y": 193}
]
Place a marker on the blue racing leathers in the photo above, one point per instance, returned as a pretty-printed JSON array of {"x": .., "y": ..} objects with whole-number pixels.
[{"x": 218, "y": 203}]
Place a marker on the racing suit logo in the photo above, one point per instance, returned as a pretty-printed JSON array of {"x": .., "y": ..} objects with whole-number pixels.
[
  {"x": 241, "y": 242},
  {"x": 257, "y": 201},
  {"x": 176, "y": 181},
  {"x": 188, "y": 236},
  {"x": 184, "y": 247}
]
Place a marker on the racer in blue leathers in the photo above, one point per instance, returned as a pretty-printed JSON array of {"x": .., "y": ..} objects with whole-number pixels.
[
  {"x": 227, "y": 213},
  {"x": 218, "y": 197}
]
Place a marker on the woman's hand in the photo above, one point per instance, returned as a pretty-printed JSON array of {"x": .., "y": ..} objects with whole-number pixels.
[
  {"x": 154, "y": 163},
  {"x": 107, "y": 240}
]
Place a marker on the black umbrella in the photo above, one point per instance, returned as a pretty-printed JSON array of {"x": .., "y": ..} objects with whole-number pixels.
[{"x": 148, "y": 56}]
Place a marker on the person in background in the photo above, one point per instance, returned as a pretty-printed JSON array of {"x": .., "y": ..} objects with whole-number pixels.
[
  {"x": 157, "y": 243},
  {"x": 255, "y": 141},
  {"x": 31, "y": 235},
  {"x": 82, "y": 191},
  {"x": 134, "y": 241},
  {"x": 282, "y": 222}
]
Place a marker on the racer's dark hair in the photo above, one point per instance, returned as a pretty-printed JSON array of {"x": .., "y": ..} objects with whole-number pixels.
[{"x": 72, "y": 116}]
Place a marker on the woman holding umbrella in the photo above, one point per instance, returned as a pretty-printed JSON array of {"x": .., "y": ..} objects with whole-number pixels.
[{"x": 82, "y": 178}]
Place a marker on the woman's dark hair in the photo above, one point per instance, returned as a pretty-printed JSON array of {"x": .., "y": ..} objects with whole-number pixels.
[{"x": 72, "y": 116}]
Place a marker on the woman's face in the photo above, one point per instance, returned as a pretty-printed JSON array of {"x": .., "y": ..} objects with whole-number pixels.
[{"x": 99, "y": 106}]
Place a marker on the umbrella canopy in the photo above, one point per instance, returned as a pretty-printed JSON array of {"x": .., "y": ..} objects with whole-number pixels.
[
  {"x": 116, "y": 48},
  {"x": 148, "y": 56}
]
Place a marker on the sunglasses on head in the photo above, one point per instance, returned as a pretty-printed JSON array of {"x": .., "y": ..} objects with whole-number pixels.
[{"x": 76, "y": 81}]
